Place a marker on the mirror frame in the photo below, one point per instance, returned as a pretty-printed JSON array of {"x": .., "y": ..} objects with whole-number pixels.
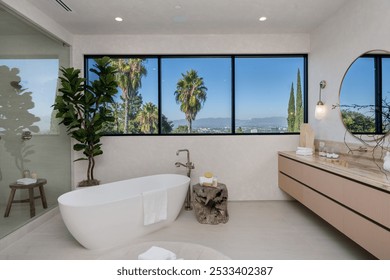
[{"x": 366, "y": 138}]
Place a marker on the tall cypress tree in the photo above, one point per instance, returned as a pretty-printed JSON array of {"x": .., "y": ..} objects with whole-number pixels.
[
  {"x": 291, "y": 110},
  {"x": 298, "y": 106}
]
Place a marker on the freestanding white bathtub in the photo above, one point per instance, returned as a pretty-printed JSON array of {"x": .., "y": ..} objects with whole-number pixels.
[{"x": 111, "y": 214}]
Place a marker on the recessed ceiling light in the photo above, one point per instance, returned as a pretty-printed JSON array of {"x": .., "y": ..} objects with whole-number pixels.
[
  {"x": 119, "y": 19},
  {"x": 262, "y": 18},
  {"x": 177, "y": 7}
]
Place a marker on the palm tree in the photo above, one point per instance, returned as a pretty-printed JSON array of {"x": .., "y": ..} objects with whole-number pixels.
[
  {"x": 191, "y": 94},
  {"x": 117, "y": 113},
  {"x": 129, "y": 76},
  {"x": 148, "y": 118},
  {"x": 122, "y": 78},
  {"x": 166, "y": 125}
]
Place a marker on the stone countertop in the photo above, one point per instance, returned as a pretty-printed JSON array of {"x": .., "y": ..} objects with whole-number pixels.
[{"x": 361, "y": 169}]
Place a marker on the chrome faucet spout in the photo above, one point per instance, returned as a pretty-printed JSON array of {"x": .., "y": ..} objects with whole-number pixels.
[{"x": 184, "y": 150}]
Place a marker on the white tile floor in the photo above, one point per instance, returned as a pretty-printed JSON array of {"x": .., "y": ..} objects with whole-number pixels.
[
  {"x": 256, "y": 230},
  {"x": 20, "y": 215}
]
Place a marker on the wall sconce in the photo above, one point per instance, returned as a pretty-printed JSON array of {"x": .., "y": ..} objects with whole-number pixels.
[{"x": 320, "y": 107}]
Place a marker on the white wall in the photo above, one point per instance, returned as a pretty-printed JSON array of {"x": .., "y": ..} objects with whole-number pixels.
[
  {"x": 359, "y": 27},
  {"x": 247, "y": 164},
  {"x": 188, "y": 44},
  {"x": 39, "y": 19}
]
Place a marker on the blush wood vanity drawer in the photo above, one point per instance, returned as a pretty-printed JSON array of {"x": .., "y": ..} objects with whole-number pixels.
[{"x": 360, "y": 211}]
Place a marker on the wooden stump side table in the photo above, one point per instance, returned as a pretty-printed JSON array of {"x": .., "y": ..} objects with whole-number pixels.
[
  {"x": 210, "y": 204},
  {"x": 31, "y": 199}
]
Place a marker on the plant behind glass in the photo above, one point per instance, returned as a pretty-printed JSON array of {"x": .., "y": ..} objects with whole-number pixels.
[{"x": 84, "y": 108}]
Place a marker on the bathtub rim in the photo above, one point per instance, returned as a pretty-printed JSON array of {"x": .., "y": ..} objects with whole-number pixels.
[{"x": 90, "y": 189}]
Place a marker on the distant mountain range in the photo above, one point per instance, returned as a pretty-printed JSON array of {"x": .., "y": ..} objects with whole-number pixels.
[{"x": 226, "y": 122}]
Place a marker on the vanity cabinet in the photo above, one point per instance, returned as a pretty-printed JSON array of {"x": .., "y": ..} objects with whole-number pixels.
[{"x": 359, "y": 210}]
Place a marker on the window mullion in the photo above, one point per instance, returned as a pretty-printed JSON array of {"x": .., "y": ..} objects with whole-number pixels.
[
  {"x": 378, "y": 94},
  {"x": 160, "y": 120},
  {"x": 233, "y": 113},
  {"x": 305, "y": 97}
]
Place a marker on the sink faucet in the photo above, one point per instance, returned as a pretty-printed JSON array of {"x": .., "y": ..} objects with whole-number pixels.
[{"x": 189, "y": 166}]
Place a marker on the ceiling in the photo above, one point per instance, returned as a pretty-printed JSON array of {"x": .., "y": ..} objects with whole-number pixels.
[{"x": 189, "y": 16}]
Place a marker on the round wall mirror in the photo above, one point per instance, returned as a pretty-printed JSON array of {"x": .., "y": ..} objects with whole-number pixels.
[{"x": 365, "y": 94}]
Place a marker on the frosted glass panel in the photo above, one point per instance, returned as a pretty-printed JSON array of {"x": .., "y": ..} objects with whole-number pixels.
[
  {"x": 32, "y": 85},
  {"x": 29, "y": 68}
]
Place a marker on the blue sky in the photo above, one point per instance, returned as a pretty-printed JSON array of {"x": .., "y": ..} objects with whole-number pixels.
[
  {"x": 216, "y": 76},
  {"x": 358, "y": 86},
  {"x": 263, "y": 86},
  {"x": 359, "y": 83}
]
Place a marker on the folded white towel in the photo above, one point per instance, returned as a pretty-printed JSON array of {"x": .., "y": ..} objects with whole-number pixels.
[
  {"x": 26, "y": 181},
  {"x": 303, "y": 153},
  {"x": 157, "y": 253},
  {"x": 206, "y": 181},
  {"x": 305, "y": 149},
  {"x": 155, "y": 206}
]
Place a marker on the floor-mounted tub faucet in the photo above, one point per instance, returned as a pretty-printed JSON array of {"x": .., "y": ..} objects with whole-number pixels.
[{"x": 189, "y": 166}]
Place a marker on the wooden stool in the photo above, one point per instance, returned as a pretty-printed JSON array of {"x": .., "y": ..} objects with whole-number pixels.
[
  {"x": 210, "y": 204},
  {"x": 31, "y": 199}
]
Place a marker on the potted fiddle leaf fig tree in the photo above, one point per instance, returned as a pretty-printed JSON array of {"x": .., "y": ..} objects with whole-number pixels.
[{"x": 84, "y": 108}]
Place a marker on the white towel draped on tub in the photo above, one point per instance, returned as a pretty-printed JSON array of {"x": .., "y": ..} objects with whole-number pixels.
[{"x": 155, "y": 206}]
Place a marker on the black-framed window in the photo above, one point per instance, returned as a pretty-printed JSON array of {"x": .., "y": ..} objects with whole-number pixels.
[
  {"x": 365, "y": 95},
  {"x": 208, "y": 94},
  {"x": 264, "y": 87},
  {"x": 210, "y": 80}
]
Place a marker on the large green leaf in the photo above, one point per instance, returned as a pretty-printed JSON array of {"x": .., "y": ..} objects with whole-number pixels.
[{"x": 79, "y": 147}]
